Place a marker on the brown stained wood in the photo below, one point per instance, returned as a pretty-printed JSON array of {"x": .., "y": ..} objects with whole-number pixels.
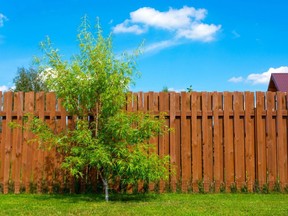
[
  {"x": 163, "y": 102},
  {"x": 140, "y": 101},
  {"x": 1, "y": 143},
  {"x": 207, "y": 155},
  {"x": 281, "y": 144},
  {"x": 134, "y": 102},
  {"x": 129, "y": 102},
  {"x": 271, "y": 140},
  {"x": 60, "y": 126},
  {"x": 196, "y": 146},
  {"x": 28, "y": 153},
  {"x": 32, "y": 145},
  {"x": 18, "y": 107},
  {"x": 239, "y": 140},
  {"x": 178, "y": 144},
  {"x": 152, "y": 107},
  {"x": 285, "y": 147},
  {"x": 249, "y": 141},
  {"x": 205, "y": 140},
  {"x": 210, "y": 149},
  {"x": 140, "y": 108},
  {"x": 221, "y": 135},
  {"x": 172, "y": 141},
  {"x": 185, "y": 145},
  {"x": 217, "y": 143},
  {"x": 40, "y": 108},
  {"x": 50, "y": 160},
  {"x": 247, "y": 128},
  {"x": 260, "y": 139},
  {"x": 13, "y": 143},
  {"x": 7, "y": 140},
  {"x": 228, "y": 141},
  {"x": 70, "y": 178}
]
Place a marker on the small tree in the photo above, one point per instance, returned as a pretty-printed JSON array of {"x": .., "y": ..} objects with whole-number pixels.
[
  {"x": 29, "y": 80},
  {"x": 94, "y": 85},
  {"x": 165, "y": 89},
  {"x": 189, "y": 89}
]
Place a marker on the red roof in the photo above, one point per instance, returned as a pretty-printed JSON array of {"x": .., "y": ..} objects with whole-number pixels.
[{"x": 278, "y": 82}]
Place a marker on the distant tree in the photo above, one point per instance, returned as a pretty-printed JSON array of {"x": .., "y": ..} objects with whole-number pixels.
[
  {"x": 28, "y": 80},
  {"x": 94, "y": 85},
  {"x": 189, "y": 89},
  {"x": 165, "y": 89}
]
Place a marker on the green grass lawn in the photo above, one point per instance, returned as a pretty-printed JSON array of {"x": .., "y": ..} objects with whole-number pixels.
[{"x": 150, "y": 204}]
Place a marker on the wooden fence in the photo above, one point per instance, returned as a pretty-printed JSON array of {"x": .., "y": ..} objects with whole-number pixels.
[{"x": 219, "y": 141}]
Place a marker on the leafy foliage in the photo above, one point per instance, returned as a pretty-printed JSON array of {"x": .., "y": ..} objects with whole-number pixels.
[
  {"x": 29, "y": 80},
  {"x": 93, "y": 86}
]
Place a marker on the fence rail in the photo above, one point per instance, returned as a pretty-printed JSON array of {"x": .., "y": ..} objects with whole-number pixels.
[{"x": 219, "y": 141}]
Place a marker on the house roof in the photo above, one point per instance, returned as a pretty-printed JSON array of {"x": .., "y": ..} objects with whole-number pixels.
[{"x": 278, "y": 82}]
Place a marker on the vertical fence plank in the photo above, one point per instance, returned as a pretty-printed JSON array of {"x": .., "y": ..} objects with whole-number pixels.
[
  {"x": 205, "y": 139},
  {"x": 249, "y": 140},
  {"x": 210, "y": 146},
  {"x": 239, "y": 140},
  {"x": 178, "y": 143},
  {"x": 260, "y": 139},
  {"x": 271, "y": 140},
  {"x": 7, "y": 139},
  {"x": 3, "y": 138},
  {"x": 62, "y": 174},
  {"x": 50, "y": 157},
  {"x": 140, "y": 108},
  {"x": 152, "y": 108},
  {"x": 18, "y": 107},
  {"x": 228, "y": 141},
  {"x": 29, "y": 154},
  {"x": 172, "y": 139},
  {"x": 185, "y": 145},
  {"x": 218, "y": 166},
  {"x": 281, "y": 144},
  {"x": 40, "y": 108},
  {"x": 13, "y": 132},
  {"x": 207, "y": 154},
  {"x": 163, "y": 107},
  {"x": 221, "y": 136},
  {"x": 1, "y": 141},
  {"x": 196, "y": 146}
]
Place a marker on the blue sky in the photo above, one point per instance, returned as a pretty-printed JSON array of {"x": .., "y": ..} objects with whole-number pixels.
[{"x": 212, "y": 45}]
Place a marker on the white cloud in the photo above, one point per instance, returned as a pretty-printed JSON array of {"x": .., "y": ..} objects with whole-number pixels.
[
  {"x": 160, "y": 45},
  {"x": 171, "y": 20},
  {"x": 235, "y": 34},
  {"x": 199, "y": 31},
  {"x": 2, "y": 19},
  {"x": 260, "y": 78},
  {"x": 176, "y": 90},
  {"x": 3, "y": 88},
  {"x": 263, "y": 78},
  {"x": 236, "y": 79},
  {"x": 184, "y": 23},
  {"x": 126, "y": 27}
]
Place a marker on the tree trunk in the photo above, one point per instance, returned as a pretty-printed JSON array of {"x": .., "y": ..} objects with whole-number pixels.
[{"x": 105, "y": 184}]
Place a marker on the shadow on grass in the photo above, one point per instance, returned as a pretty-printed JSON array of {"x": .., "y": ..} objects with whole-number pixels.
[{"x": 75, "y": 198}]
